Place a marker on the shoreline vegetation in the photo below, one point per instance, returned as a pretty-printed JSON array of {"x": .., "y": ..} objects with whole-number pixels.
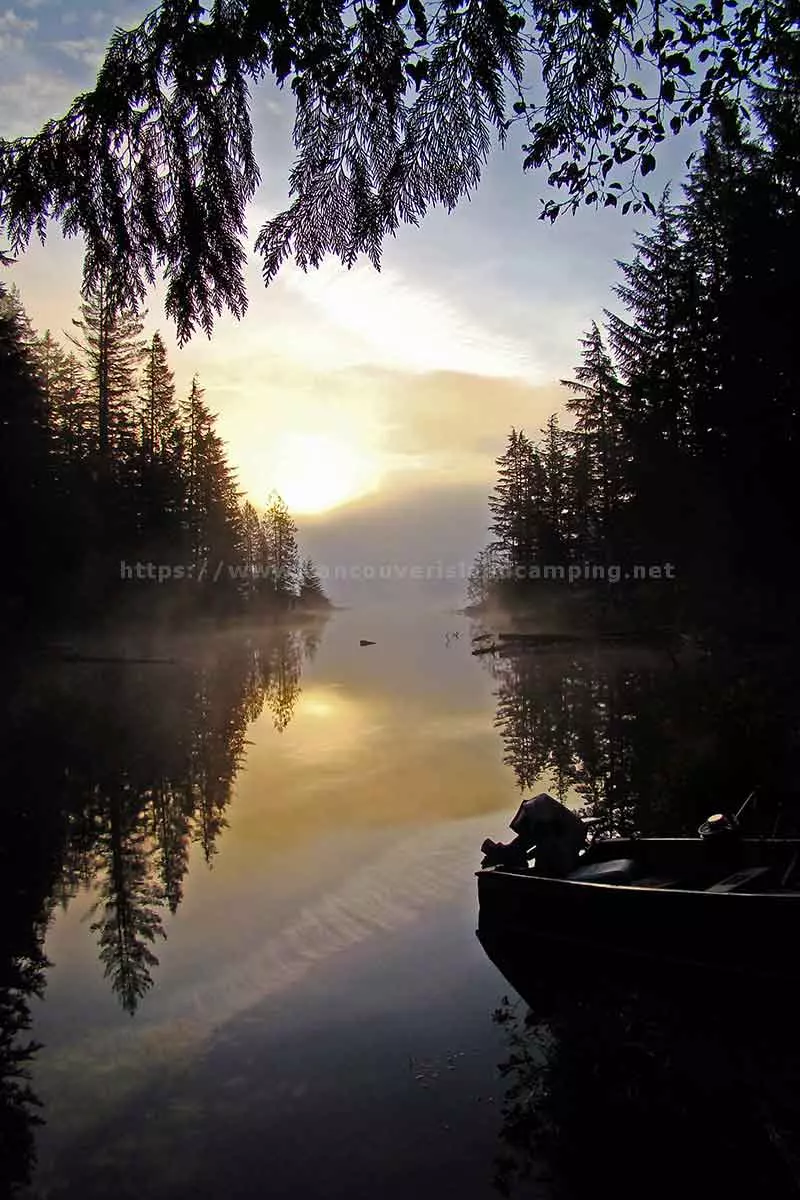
[
  {"x": 142, "y": 643},
  {"x": 105, "y": 473},
  {"x": 683, "y": 425}
]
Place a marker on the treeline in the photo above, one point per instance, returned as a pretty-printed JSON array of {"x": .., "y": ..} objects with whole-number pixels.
[
  {"x": 683, "y": 441},
  {"x": 103, "y": 465}
]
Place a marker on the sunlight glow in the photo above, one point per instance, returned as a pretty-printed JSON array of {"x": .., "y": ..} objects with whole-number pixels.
[
  {"x": 316, "y": 472},
  {"x": 318, "y": 706}
]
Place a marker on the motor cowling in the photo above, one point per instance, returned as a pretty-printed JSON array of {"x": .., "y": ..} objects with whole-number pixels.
[{"x": 718, "y": 827}]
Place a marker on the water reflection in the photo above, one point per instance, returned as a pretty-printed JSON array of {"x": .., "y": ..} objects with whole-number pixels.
[
  {"x": 110, "y": 773},
  {"x": 678, "y": 1087},
  {"x": 23, "y": 977},
  {"x": 653, "y": 744},
  {"x": 369, "y": 780},
  {"x": 615, "y": 1079}
]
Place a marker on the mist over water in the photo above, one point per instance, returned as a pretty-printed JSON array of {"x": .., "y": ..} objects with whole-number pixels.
[{"x": 243, "y": 882}]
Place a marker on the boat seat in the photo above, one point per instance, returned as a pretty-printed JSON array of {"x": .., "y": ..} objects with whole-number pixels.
[
  {"x": 615, "y": 870},
  {"x": 739, "y": 880}
]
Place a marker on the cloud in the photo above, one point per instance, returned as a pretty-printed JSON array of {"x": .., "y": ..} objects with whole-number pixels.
[
  {"x": 88, "y": 50},
  {"x": 14, "y": 31},
  {"x": 407, "y": 326},
  {"x": 457, "y": 409},
  {"x": 31, "y": 99},
  {"x": 414, "y": 427},
  {"x": 436, "y": 527}
]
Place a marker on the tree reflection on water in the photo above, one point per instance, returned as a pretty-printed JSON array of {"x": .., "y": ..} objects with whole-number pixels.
[
  {"x": 110, "y": 773},
  {"x": 651, "y": 744},
  {"x": 663, "y": 1086},
  {"x": 668, "y": 1086}
]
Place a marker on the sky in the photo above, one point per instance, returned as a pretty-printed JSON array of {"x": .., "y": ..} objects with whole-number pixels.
[{"x": 376, "y": 403}]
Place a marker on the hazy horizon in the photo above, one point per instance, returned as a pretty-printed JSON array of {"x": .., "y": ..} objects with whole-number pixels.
[{"x": 375, "y": 403}]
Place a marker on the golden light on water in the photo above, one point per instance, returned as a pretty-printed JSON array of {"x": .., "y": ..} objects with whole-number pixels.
[{"x": 315, "y": 472}]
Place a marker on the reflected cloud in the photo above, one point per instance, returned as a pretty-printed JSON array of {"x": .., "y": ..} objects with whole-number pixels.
[
  {"x": 396, "y": 887},
  {"x": 331, "y": 725}
]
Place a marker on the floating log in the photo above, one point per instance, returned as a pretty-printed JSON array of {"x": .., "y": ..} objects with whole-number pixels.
[
  {"x": 545, "y": 639},
  {"x": 110, "y": 658}
]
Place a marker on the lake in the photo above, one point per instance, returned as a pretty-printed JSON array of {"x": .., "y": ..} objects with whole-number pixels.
[
  {"x": 319, "y": 1017},
  {"x": 242, "y": 884}
]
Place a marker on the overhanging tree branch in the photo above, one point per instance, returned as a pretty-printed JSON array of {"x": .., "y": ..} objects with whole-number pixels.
[{"x": 398, "y": 103}]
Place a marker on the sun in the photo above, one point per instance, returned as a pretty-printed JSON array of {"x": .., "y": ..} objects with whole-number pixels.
[{"x": 315, "y": 472}]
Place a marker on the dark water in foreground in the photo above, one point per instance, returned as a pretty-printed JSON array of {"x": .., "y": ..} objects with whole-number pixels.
[{"x": 250, "y": 874}]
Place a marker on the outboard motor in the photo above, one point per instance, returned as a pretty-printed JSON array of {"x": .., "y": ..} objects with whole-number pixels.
[
  {"x": 720, "y": 837},
  {"x": 720, "y": 826},
  {"x": 546, "y": 827}
]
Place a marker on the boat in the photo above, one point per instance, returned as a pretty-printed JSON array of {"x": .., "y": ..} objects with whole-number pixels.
[{"x": 725, "y": 902}]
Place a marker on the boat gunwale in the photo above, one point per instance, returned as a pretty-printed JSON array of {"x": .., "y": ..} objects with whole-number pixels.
[
  {"x": 632, "y": 887},
  {"x": 623, "y": 843}
]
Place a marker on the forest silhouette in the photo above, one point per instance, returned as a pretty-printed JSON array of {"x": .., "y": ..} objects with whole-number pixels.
[
  {"x": 103, "y": 467},
  {"x": 683, "y": 427}
]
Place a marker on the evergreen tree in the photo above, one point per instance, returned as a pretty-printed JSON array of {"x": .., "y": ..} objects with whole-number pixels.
[
  {"x": 159, "y": 453},
  {"x": 553, "y": 515},
  {"x": 50, "y": 362},
  {"x": 72, "y": 414},
  {"x": 29, "y": 519},
  {"x": 312, "y": 593},
  {"x": 655, "y": 347},
  {"x": 112, "y": 350},
  {"x": 598, "y": 465},
  {"x": 650, "y": 349},
  {"x": 158, "y": 407},
  {"x": 253, "y": 554},
  {"x": 282, "y": 555},
  {"x": 13, "y": 309},
  {"x": 196, "y": 422},
  {"x": 479, "y": 581},
  {"x": 513, "y": 504},
  {"x": 211, "y": 517},
  {"x": 400, "y": 118},
  {"x": 708, "y": 218}
]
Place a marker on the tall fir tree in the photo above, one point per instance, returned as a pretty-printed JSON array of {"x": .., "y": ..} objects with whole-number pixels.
[
  {"x": 553, "y": 520},
  {"x": 599, "y": 454},
  {"x": 211, "y": 516},
  {"x": 311, "y": 594},
  {"x": 160, "y": 453},
  {"x": 253, "y": 556},
  {"x": 283, "y": 556},
  {"x": 512, "y": 504},
  {"x": 111, "y": 350},
  {"x": 157, "y": 399},
  {"x": 26, "y": 467}
]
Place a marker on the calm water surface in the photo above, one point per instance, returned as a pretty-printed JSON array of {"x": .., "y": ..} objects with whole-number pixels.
[
  {"x": 319, "y": 1020},
  {"x": 240, "y": 911}
]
